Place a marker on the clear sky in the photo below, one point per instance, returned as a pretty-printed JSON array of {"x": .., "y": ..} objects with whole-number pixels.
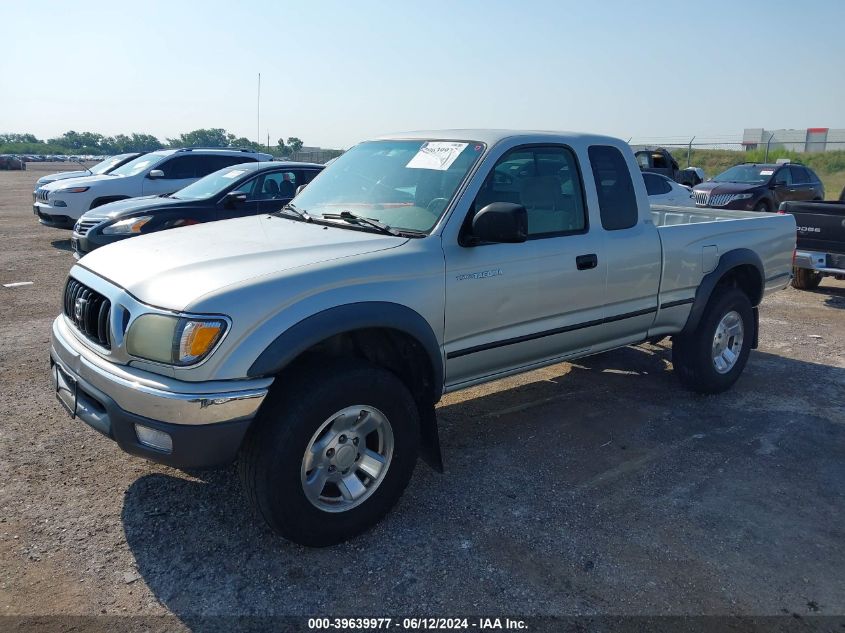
[{"x": 334, "y": 73}]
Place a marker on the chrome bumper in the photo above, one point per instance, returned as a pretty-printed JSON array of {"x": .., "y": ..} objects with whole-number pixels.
[
  {"x": 143, "y": 393},
  {"x": 815, "y": 260}
]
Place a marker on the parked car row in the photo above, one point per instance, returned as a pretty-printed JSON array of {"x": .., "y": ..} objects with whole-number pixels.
[
  {"x": 60, "y": 204},
  {"x": 311, "y": 343},
  {"x": 231, "y": 192},
  {"x": 12, "y": 163}
]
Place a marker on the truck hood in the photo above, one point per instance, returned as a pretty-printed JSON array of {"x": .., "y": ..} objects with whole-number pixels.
[
  {"x": 173, "y": 269},
  {"x": 128, "y": 207}
]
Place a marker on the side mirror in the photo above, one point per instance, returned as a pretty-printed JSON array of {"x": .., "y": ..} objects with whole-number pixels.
[
  {"x": 234, "y": 199},
  {"x": 777, "y": 184},
  {"x": 500, "y": 223},
  {"x": 299, "y": 189},
  {"x": 155, "y": 173}
]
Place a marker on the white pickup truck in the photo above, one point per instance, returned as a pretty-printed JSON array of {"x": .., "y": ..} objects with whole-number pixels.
[{"x": 312, "y": 344}]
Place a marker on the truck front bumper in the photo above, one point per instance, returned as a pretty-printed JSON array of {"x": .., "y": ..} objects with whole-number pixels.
[
  {"x": 181, "y": 424},
  {"x": 830, "y": 263}
]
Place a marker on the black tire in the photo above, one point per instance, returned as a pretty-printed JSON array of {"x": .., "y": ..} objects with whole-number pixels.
[
  {"x": 271, "y": 456},
  {"x": 762, "y": 207},
  {"x": 804, "y": 279},
  {"x": 692, "y": 355}
]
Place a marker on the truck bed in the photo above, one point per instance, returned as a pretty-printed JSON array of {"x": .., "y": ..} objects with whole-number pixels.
[{"x": 693, "y": 239}]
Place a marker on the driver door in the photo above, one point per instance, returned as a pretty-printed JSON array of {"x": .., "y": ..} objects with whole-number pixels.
[{"x": 510, "y": 306}]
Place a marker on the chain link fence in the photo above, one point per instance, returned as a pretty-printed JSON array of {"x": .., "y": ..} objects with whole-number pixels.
[{"x": 682, "y": 148}]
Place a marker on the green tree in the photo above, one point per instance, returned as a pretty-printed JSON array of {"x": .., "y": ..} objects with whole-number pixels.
[
  {"x": 19, "y": 138},
  {"x": 211, "y": 137},
  {"x": 294, "y": 144}
]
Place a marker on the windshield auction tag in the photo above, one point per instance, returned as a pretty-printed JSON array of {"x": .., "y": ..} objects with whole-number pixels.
[
  {"x": 436, "y": 155},
  {"x": 767, "y": 172},
  {"x": 234, "y": 173}
]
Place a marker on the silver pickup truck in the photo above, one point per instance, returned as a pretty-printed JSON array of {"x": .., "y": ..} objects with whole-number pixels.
[{"x": 312, "y": 344}]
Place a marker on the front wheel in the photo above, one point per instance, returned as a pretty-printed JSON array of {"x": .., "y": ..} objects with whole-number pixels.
[
  {"x": 711, "y": 358},
  {"x": 331, "y": 451},
  {"x": 762, "y": 207},
  {"x": 805, "y": 279}
]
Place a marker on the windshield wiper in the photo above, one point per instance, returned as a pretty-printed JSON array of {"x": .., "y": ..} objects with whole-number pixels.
[
  {"x": 291, "y": 209},
  {"x": 353, "y": 218}
]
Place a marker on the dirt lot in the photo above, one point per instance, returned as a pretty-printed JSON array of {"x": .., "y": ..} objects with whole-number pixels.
[{"x": 599, "y": 487}]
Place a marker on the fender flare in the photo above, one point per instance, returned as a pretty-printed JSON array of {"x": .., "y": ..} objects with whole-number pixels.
[
  {"x": 346, "y": 318},
  {"x": 727, "y": 262}
]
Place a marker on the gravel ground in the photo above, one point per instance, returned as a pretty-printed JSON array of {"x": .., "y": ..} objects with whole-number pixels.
[{"x": 598, "y": 487}]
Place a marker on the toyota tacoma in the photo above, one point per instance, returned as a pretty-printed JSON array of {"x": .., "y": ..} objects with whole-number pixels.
[{"x": 312, "y": 344}]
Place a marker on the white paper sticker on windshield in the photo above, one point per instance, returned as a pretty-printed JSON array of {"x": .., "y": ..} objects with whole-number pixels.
[
  {"x": 767, "y": 172},
  {"x": 436, "y": 155},
  {"x": 234, "y": 173}
]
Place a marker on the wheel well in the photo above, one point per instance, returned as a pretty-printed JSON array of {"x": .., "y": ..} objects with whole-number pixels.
[
  {"x": 392, "y": 349},
  {"x": 98, "y": 202},
  {"x": 747, "y": 278}
]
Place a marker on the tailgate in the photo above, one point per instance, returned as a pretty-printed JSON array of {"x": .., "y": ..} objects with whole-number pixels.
[{"x": 820, "y": 231}]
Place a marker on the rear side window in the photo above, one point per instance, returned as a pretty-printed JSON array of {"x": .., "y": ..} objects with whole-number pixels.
[
  {"x": 655, "y": 185},
  {"x": 617, "y": 200},
  {"x": 219, "y": 162},
  {"x": 799, "y": 175}
]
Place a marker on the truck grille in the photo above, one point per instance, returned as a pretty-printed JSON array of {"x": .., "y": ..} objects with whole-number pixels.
[
  {"x": 89, "y": 311},
  {"x": 705, "y": 199},
  {"x": 82, "y": 227}
]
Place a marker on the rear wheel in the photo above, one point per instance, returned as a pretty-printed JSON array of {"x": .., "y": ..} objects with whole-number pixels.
[
  {"x": 805, "y": 279},
  {"x": 711, "y": 359},
  {"x": 331, "y": 451}
]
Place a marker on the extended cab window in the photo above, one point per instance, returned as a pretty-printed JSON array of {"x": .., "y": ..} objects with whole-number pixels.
[
  {"x": 546, "y": 181},
  {"x": 617, "y": 200}
]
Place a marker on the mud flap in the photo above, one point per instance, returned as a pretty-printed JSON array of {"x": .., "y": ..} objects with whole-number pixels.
[
  {"x": 430, "y": 439},
  {"x": 756, "y": 338}
]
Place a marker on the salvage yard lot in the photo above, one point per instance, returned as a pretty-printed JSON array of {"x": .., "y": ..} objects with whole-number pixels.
[{"x": 587, "y": 488}]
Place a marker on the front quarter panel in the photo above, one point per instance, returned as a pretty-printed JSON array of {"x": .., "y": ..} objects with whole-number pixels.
[{"x": 410, "y": 275}]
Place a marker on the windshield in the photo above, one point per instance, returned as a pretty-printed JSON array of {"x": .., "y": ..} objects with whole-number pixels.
[
  {"x": 404, "y": 184},
  {"x": 749, "y": 174},
  {"x": 138, "y": 165},
  {"x": 106, "y": 165},
  {"x": 214, "y": 183}
]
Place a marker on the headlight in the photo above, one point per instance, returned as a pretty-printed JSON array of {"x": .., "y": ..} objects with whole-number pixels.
[
  {"x": 173, "y": 340},
  {"x": 127, "y": 226},
  {"x": 743, "y": 196},
  {"x": 72, "y": 190}
]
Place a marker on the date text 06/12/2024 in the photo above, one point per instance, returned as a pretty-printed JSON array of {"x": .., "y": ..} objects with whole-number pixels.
[{"x": 482, "y": 624}]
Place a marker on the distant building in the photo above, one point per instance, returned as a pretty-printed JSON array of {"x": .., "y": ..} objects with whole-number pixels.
[{"x": 813, "y": 139}]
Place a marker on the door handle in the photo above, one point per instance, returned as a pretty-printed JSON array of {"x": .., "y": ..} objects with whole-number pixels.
[{"x": 586, "y": 262}]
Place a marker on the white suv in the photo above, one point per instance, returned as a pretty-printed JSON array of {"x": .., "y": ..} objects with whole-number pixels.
[{"x": 61, "y": 203}]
